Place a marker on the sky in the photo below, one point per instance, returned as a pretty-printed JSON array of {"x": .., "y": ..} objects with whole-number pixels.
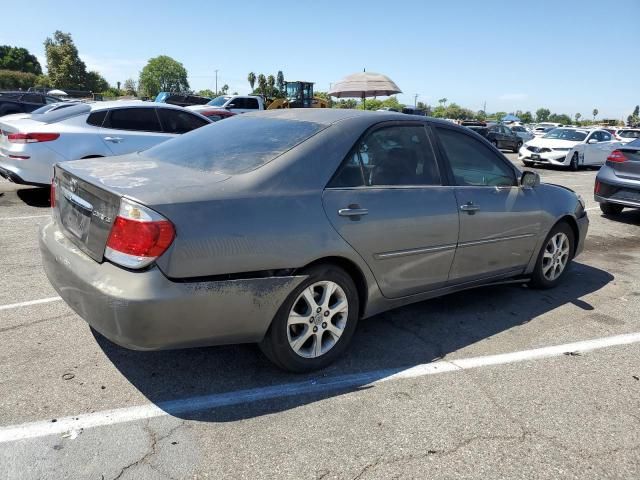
[{"x": 569, "y": 56}]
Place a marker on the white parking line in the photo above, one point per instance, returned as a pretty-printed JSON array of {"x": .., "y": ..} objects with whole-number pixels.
[
  {"x": 23, "y": 218},
  {"x": 77, "y": 423},
  {"x": 29, "y": 303}
]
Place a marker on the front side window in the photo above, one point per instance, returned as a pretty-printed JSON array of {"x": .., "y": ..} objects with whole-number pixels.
[
  {"x": 390, "y": 156},
  {"x": 472, "y": 163},
  {"x": 219, "y": 101},
  {"x": 178, "y": 121},
  {"x": 252, "y": 103},
  {"x": 139, "y": 119}
]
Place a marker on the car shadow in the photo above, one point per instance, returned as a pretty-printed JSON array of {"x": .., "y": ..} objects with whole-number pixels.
[
  {"x": 630, "y": 216},
  {"x": 35, "y": 197},
  {"x": 383, "y": 345}
]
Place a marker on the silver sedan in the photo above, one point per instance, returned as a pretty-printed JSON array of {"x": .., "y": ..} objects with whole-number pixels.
[{"x": 286, "y": 228}]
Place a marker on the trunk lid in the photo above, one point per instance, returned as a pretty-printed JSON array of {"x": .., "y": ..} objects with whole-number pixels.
[
  {"x": 630, "y": 169},
  {"x": 15, "y": 125},
  {"x": 88, "y": 193}
]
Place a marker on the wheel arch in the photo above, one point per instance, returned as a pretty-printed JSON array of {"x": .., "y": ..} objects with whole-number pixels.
[
  {"x": 354, "y": 271},
  {"x": 573, "y": 224},
  {"x": 92, "y": 156}
]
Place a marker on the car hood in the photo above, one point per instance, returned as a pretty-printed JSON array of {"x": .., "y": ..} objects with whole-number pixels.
[
  {"x": 552, "y": 143},
  {"x": 145, "y": 179}
]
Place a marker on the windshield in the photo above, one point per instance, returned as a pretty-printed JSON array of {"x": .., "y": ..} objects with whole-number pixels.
[
  {"x": 566, "y": 134},
  {"x": 52, "y": 106},
  {"x": 219, "y": 101},
  {"x": 237, "y": 145},
  {"x": 629, "y": 133}
]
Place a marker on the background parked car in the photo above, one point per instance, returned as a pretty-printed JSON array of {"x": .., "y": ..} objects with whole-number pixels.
[
  {"x": 23, "y": 102},
  {"x": 233, "y": 103},
  {"x": 29, "y": 147},
  {"x": 215, "y": 114},
  {"x": 524, "y": 133},
  {"x": 263, "y": 237},
  {"x": 618, "y": 181},
  {"x": 557, "y": 147},
  {"x": 627, "y": 135},
  {"x": 181, "y": 99},
  {"x": 499, "y": 135}
]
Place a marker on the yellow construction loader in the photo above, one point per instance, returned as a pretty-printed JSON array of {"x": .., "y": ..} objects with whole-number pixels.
[{"x": 298, "y": 95}]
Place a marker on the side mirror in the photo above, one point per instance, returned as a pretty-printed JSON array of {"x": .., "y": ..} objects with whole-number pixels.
[
  {"x": 593, "y": 140},
  {"x": 231, "y": 105},
  {"x": 529, "y": 179}
]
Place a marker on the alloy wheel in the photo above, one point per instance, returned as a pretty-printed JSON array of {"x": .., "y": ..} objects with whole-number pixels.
[
  {"x": 317, "y": 319},
  {"x": 556, "y": 256}
]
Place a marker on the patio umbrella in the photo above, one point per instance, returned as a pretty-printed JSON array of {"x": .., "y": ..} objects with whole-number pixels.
[{"x": 363, "y": 85}]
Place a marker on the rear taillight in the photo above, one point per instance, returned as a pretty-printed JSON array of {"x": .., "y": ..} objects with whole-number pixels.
[
  {"x": 617, "y": 157},
  {"x": 32, "y": 137},
  {"x": 52, "y": 193},
  {"x": 596, "y": 188},
  {"x": 138, "y": 236}
]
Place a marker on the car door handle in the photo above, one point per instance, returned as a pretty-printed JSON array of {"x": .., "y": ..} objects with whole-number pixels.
[
  {"x": 352, "y": 212},
  {"x": 113, "y": 139},
  {"x": 469, "y": 207}
]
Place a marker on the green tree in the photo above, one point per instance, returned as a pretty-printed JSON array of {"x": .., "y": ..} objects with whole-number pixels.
[
  {"x": 526, "y": 117},
  {"x": 12, "y": 79},
  {"x": 481, "y": 115},
  {"x": 129, "y": 86},
  {"x": 439, "y": 111},
  {"x": 542, "y": 114},
  {"x": 224, "y": 90},
  {"x": 577, "y": 117},
  {"x": 425, "y": 107},
  {"x": 262, "y": 84},
  {"x": 280, "y": 81},
  {"x": 94, "y": 82},
  {"x": 252, "y": 80},
  {"x": 65, "y": 69},
  {"x": 499, "y": 115},
  {"x": 595, "y": 114},
  {"x": 562, "y": 118},
  {"x": 19, "y": 59},
  {"x": 443, "y": 102},
  {"x": 348, "y": 103},
  {"x": 207, "y": 92},
  {"x": 271, "y": 84},
  {"x": 163, "y": 74}
]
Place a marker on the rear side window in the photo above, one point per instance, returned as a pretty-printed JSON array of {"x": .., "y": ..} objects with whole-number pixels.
[
  {"x": 251, "y": 103},
  {"x": 32, "y": 98},
  {"x": 237, "y": 145},
  {"x": 629, "y": 133},
  {"x": 176, "y": 121},
  {"x": 139, "y": 119},
  {"x": 96, "y": 118},
  {"x": 472, "y": 163}
]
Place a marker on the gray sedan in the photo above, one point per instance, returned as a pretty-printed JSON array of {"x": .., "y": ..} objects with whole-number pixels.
[{"x": 287, "y": 227}]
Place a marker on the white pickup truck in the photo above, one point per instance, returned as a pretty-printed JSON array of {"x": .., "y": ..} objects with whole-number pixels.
[{"x": 233, "y": 103}]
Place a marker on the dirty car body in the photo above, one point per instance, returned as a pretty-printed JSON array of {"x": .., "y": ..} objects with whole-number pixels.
[{"x": 281, "y": 192}]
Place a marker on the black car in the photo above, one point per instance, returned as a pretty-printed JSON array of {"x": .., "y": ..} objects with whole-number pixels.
[
  {"x": 23, "y": 102},
  {"x": 501, "y": 136}
]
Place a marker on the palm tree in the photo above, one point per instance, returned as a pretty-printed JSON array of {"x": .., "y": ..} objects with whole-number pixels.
[
  {"x": 280, "y": 81},
  {"x": 595, "y": 114},
  {"x": 578, "y": 115},
  {"x": 262, "y": 84},
  {"x": 252, "y": 79},
  {"x": 443, "y": 102},
  {"x": 271, "y": 82}
]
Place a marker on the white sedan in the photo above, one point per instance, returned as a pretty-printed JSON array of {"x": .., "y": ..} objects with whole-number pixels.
[{"x": 558, "y": 147}]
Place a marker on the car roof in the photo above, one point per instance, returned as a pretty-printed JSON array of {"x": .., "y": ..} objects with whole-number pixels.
[
  {"x": 329, "y": 116},
  {"x": 96, "y": 106}
]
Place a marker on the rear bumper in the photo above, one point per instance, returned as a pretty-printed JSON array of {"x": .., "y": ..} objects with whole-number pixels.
[
  {"x": 15, "y": 178},
  {"x": 615, "y": 189},
  {"x": 36, "y": 169},
  {"x": 147, "y": 311}
]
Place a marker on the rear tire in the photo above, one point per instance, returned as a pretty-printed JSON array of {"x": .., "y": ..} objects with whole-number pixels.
[
  {"x": 518, "y": 147},
  {"x": 554, "y": 257},
  {"x": 301, "y": 339},
  {"x": 573, "y": 165},
  {"x": 611, "y": 208}
]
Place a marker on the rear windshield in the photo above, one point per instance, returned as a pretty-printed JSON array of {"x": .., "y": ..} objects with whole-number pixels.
[{"x": 234, "y": 146}]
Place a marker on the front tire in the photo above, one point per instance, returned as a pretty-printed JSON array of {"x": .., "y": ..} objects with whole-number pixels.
[
  {"x": 554, "y": 257},
  {"x": 314, "y": 325},
  {"x": 611, "y": 208},
  {"x": 517, "y": 147},
  {"x": 573, "y": 165}
]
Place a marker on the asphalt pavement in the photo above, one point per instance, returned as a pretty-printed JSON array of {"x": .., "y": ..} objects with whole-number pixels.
[{"x": 497, "y": 382}]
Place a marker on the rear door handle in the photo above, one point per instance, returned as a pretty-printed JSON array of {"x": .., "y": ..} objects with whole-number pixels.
[
  {"x": 352, "y": 212},
  {"x": 113, "y": 139},
  {"x": 469, "y": 207}
]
